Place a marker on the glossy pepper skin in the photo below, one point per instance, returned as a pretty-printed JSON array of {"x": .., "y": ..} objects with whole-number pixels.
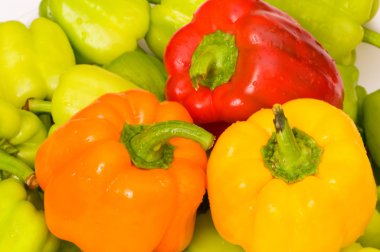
[
  {"x": 238, "y": 56},
  {"x": 370, "y": 124},
  {"x": 32, "y": 59},
  {"x": 166, "y": 17},
  {"x": 350, "y": 77},
  {"x": 79, "y": 86},
  {"x": 100, "y": 30},
  {"x": 21, "y": 133},
  {"x": 315, "y": 191},
  {"x": 207, "y": 239},
  {"x": 332, "y": 22},
  {"x": 142, "y": 69},
  {"x": 110, "y": 203},
  {"x": 22, "y": 225}
]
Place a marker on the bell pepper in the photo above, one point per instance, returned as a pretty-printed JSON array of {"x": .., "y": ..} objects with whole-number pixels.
[
  {"x": 371, "y": 235},
  {"x": 304, "y": 181},
  {"x": 238, "y": 56},
  {"x": 100, "y": 31},
  {"x": 356, "y": 247},
  {"x": 143, "y": 69},
  {"x": 32, "y": 59},
  {"x": 361, "y": 93},
  {"x": 350, "y": 77},
  {"x": 22, "y": 224},
  {"x": 166, "y": 17},
  {"x": 332, "y": 22},
  {"x": 207, "y": 239},
  {"x": 133, "y": 174},
  {"x": 79, "y": 86},
  {"x": 21, "y": 133},
  {"x": 371, "y": 112}
]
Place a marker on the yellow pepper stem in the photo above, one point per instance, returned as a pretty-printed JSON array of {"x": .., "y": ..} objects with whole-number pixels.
[{"x": 290, "y": 154}]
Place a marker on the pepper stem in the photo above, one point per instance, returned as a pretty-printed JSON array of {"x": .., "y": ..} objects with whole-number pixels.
[
  {"x": 214, "y": 60},
  {"x": 290, "y": 154},
  {"x": 18, "y": 168},
  {"x": 37, "y": 106},
  {"x": 371, "y": 37},
  {"x": 148, "y": 146},
  {"x": 286, "y": 141}
]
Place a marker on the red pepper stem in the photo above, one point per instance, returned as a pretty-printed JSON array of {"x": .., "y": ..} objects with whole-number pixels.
[
  {"x": 290, "y": 153},
  {"x": 214, "y": 61},
  {"x": 154, "y": 1},
  {"x": 18, "y": 168},
  {"x": 37, "y": 106},
  {"x": 371, "y": 37},
  {"x": 148, "y": 144}
]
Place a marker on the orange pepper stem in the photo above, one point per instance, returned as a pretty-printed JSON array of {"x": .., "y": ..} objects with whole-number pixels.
[
  {"x": 148, "y": 144},
  {"x": 290, "y": 154},
  {"x": 214, "y": 61},
  {"x": 18, "y": 168}
]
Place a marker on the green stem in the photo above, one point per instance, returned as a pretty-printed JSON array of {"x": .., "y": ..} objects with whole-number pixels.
[
  {"x": 154, "y": 1},
  {"x": 286, "y": 141},
  {"x": 148, "y": 146},
  {"x": 38, "y": 106},
  {"x": 18, "y": 168},
  {"x": 214, "y": 60},
  {"x": 290, "y": 154},
  {"x": 371, "y": 37}
]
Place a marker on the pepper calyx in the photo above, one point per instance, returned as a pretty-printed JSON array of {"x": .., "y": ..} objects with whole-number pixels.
[
  {"x": 290, "y": 153},
  {"x": 214, "y": 60}
]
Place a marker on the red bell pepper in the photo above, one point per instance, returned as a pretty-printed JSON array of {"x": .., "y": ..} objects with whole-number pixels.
[{"x": 237, "y": 56}]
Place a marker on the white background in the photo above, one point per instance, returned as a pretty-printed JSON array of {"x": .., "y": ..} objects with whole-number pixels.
[{"x": 368, "y": 57}]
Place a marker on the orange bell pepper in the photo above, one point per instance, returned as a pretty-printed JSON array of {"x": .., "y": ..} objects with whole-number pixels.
[
  {"x": 125, "y": 174},
  {"x": 307, "y": 188}
]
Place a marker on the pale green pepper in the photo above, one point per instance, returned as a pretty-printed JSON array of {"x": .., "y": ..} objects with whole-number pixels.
[
  {"x": 99, "y": 30},
  {"x": 143, "y": 69},
  {"x": 22, "y": 224},
  {"x": 31, "y": 60},
  {"x": 78, "y": 87},
  {"x": 167, "y": 16},
  {"x": 337, "y": 24},
  {"x": 21, "y": 133}
]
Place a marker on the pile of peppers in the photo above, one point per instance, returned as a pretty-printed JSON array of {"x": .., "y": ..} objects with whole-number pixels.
[{"x": 192, "y": 125}]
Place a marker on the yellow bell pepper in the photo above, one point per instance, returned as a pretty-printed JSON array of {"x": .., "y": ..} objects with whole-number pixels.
[{"x": 276, "y": 188}]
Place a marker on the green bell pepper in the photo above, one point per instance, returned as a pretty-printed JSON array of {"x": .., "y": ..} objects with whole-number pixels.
[
  {"x": 357, "y": 247},
  {"x": 22, "y": 224},
  {"x": 167, "y": 16},
  {"x": 371, "y": 122},
  {"x": 21, "y": 133},
  {"x": 79, "y": 86},
  {"x": 361, "y": 93},
  {"x": 337, "y": 24},
  {"x": 350, "y": 77},
  {"x": 100, "y": 31},
  {"x": 371, "y": 235},
  {"x": 207, "y": 239},
  {"x": 145, "y": 70},
  {"x": 31, "y": 60}
]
